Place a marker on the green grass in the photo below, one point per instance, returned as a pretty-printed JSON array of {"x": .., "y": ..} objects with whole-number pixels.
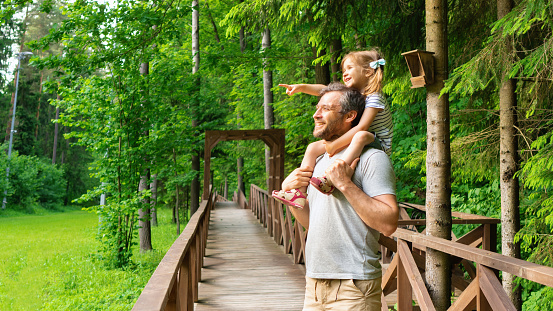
[{"x": 51, "y": 262}]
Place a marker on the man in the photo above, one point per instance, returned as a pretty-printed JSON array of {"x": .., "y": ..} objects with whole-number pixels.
[{"x": 342, "y": 259}]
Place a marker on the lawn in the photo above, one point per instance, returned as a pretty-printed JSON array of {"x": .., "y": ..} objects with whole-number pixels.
[{"x": 51, "y": 262}]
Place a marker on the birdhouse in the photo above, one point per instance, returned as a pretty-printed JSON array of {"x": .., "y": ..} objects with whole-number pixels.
[{"x": 421, "y": 67}]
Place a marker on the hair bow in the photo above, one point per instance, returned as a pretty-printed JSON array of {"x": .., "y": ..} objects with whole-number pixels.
[{"x": 377, "y": 63}]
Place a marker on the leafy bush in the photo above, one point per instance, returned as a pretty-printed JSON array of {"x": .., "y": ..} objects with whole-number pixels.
[
  {"x": 32, "y": 181},
  {"x": 53, "y": 184}
]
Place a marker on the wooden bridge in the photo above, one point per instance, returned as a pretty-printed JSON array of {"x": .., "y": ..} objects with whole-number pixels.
[{"x": 249, "y": 255}]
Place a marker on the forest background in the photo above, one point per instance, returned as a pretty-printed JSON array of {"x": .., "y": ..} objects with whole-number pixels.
[{"x": 132, "y": 102}]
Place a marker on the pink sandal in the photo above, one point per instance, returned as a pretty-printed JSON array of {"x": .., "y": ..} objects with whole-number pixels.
[
  {"x": 292, "y": 197},
  {"x": 322, "y": 184}
]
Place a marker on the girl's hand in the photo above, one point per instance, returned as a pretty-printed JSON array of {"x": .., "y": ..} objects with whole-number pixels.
[{"x": 291, "y": 89}]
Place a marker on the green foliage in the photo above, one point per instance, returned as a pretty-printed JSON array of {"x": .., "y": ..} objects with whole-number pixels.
[
  {"x": 538, "y": 298},
  {"x": 408, "y": 160},
  {"x": 9, "y": 29},
  {"x": 475, "y": 198},
  {"x": 31, "y": 181},
  {"x": 537, "y": 233}
]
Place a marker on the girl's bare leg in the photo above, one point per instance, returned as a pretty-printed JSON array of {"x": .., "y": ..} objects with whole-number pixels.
[
  {"x": 313, "y": 151},
  {"x": 297, "y": 197},
  {"x": 359, "y": 141}
]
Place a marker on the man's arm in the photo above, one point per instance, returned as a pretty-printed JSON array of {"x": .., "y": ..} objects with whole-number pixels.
[
  {"x": 379, "y": 212},
  {"x": 297, "y": 179}
]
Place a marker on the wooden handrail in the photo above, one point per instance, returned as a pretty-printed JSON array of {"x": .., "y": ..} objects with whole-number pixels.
[
  {"x": 524, "y": 269},
  {"x": 462, "y": 218},
  {"x": 174, "y": 284},
  {"x": 484, "y": 292}
]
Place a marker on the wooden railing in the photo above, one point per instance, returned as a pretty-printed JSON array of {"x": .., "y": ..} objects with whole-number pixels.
[
  {"x": 174, "y": 284},
  {"x": 478, "y": 286},
  {"x": 277, "y": 218}
]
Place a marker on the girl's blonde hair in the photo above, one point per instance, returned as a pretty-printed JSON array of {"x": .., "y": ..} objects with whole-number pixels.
[{"x": 363, "y": 59}]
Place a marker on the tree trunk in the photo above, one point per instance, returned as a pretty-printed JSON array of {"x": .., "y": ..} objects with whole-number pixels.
[
  {"x": 226, "y": 188},
  {"x": 65, "y": 150},
  {"x": 195, "y": 187},
  {"x": 175, "y": 212},
  {"x": 213, "y": 24},
  {"x": 38, "y": 106},
  {"x": 56, "y": 130},
  {"x": 438, "y": 159},
  {"x": 508, "y": 165},
  {"x": 242, "y": 37},
  {"x": 144, "y": 227},
  {"x": 195, "y": 36},
  {"x": 269, "y": 118},
  {"x": 177, "y": 208},
  {"x": 153, "y": 202},
  {"x": 239, "y": 169},
  {"x": 335, "y": 50},
  {"x": 322, "y": 72},
  {"x": 242, "y": 40},
  {"x": 186, "y": 205}
]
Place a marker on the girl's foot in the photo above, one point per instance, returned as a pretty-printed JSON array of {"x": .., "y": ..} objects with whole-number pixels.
[
  {"x": 292, "y": 197},
  {"x": 322, "y": 184}
]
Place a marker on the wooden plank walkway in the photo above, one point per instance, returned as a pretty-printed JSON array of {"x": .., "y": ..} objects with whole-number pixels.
[{"x": 244, "y": 269}]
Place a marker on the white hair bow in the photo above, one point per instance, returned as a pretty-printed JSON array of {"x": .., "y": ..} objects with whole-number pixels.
[{"x": 377, "y": 63}]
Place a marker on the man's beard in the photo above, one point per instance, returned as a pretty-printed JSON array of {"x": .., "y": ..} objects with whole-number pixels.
[{"x": 329, "y": 132}]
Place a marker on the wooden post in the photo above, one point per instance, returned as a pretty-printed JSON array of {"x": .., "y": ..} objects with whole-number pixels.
[{"x": 404, "y": 290}]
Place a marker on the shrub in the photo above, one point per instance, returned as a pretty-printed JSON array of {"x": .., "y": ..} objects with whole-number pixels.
[{"x": 32, "y": 181}]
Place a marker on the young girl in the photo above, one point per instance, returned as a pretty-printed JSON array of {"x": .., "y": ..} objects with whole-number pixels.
[{"x": 363, "y": 71}]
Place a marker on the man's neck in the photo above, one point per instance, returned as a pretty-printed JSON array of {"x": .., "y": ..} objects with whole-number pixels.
[{"x": 337, "y": 135}]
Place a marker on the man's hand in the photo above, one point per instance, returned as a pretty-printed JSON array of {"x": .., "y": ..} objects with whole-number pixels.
[
  {"x": 340, "y": 173},
  {"x": 298, "y": 178},
  {"x": 380, "y": 212}
]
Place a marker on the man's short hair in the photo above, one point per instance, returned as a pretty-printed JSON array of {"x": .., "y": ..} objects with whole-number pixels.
[{"x": 350, "y": 99}]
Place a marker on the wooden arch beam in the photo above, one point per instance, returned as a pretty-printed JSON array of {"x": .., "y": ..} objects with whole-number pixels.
[{"x": 274, "y": 138}]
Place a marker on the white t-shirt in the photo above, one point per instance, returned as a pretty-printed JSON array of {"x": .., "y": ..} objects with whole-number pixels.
[{"x": 339, "y": 244}]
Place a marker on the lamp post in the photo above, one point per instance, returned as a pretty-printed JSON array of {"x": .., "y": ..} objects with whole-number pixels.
[{"x": 20, "y": 56}]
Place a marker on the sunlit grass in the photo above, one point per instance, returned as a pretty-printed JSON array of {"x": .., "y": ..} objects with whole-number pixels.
[{"x": 51, "y": 262}]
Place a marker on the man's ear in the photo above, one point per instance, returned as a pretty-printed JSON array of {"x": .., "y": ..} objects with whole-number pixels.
[{"x": 350, "y": 116}]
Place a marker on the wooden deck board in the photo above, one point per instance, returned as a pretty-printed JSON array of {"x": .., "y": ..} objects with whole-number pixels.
[{"x": 244, "y": 269}]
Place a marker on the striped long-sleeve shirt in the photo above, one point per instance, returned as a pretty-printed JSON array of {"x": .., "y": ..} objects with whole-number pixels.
[{"x": 382, "y": 125}]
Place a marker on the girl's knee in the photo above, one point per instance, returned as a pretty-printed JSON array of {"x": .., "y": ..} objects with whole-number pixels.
[
  {"x": 316, "y": 148},
  {"x": 363, "y": 137}
]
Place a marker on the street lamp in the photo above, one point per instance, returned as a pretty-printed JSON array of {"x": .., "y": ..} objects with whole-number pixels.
[{"x": 20, "y": 56}]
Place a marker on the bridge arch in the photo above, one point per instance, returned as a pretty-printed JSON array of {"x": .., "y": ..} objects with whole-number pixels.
[{"x": 274, "y": 138}]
